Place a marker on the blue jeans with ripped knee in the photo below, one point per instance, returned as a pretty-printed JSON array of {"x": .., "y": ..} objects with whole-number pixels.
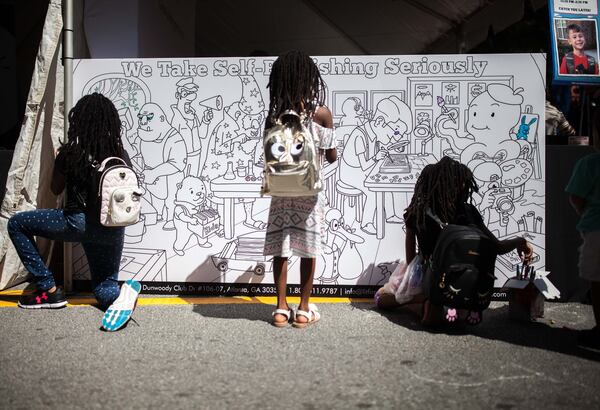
[{"x": 102, "y": 245}]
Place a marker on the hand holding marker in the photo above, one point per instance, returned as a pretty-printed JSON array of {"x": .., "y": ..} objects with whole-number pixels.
[{"x": 442, "y": 104}]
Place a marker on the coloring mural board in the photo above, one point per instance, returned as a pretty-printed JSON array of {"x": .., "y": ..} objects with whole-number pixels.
[
  {"x": 574, "y": 37},
  {"x": 193, "y": 128}
]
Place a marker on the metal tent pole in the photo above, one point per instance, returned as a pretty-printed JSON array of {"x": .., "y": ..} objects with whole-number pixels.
[{"x": 68, "y": 104}]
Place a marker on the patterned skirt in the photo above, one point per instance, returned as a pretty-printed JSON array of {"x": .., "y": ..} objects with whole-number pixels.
[{"x": 295, "y": 227}]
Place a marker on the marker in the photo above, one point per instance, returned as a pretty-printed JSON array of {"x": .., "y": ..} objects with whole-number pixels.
[{"x": 529, "y": 271}]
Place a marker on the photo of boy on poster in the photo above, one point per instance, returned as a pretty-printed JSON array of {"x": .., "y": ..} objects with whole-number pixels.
[{"x": 576, "y": 46}]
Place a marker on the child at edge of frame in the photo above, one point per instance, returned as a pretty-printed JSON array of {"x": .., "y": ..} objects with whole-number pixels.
[
  {"x": 94, "y": 135},
  {"x": 584, "y": 196}
]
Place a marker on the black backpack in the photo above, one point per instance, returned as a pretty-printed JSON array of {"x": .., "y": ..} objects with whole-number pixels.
[{"x": 460, "y": 272}]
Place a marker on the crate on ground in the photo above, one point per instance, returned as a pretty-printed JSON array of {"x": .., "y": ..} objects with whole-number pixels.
[{"x": 527, "y": 294}]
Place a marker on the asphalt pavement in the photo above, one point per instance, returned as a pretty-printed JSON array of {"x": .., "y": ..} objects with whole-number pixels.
[{"x": 228, "y": 356}]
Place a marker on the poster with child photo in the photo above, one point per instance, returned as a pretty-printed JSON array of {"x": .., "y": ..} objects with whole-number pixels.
[{"x": 575, "y": 42}]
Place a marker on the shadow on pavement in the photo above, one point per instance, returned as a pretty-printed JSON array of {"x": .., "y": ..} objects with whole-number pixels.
[
  {"x": 497, "y": 325},
  {"x": 251, "y": 311}
]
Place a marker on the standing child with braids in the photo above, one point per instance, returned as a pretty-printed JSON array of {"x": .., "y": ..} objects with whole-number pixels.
[
  {"x": 446, "y": 188},
  {"x": 295, "y": 223},
  {"x": 94, "y": 134}
]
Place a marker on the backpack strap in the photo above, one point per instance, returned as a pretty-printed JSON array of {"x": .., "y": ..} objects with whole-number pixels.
[
  {"x": 591, "y": 65},
  {"x": 103, "y": 164},
  {"x": 570, "y": 62},
  {"x": 435, "y": 218}
]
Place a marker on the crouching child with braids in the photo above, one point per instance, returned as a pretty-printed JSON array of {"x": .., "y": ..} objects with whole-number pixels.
[
  {"x": 443, "y": 191},
  {"x": 94, "y": 135}
]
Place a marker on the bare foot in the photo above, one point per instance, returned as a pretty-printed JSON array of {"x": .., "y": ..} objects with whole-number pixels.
[{"x": 385, "y": 300}]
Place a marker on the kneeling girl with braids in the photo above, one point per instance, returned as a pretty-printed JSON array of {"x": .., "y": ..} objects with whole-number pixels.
[
  {"x": 94, "y": 135},
  {"x": 446, "y": 188}
]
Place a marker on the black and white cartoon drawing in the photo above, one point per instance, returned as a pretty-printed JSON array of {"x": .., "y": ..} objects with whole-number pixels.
[
  {"x": 340, "y": 251},
  {"x": 163, "y": 153},
  {"x": 381, "y": 138},
  {"x": 498, "y": 150},
  {"x": 353, "y": 113},
  {"x": 197, "y": 141},
  {"x": 192, "y": 218},
  {"x": 234, "y": 149},
  {"x": 127, "y": 125},
  {"x": 492, "y": 115},
  {"x": 424, "y": 95},
  {"x": 186, "y": 121},
  {"x": 244, "y": 254}
]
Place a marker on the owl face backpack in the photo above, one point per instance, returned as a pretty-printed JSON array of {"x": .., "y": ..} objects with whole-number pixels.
[{"x": 291, "y": 160}]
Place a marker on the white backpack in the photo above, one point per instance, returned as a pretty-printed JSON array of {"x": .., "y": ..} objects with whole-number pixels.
[
  {"x": 292, "y": 163},
  {"x": 119, "y": 194}
]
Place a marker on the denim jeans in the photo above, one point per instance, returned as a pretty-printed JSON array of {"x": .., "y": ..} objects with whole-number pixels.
[{"x": 102, "y": 245}]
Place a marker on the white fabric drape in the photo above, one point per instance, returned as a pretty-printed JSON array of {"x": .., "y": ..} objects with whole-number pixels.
[{"x": 28, "y": 182}]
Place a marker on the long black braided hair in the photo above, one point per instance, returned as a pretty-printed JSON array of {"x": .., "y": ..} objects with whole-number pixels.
[
  {"x": 441, "y": 187},
  {"x": 295, "y": 83},
  {"x": 94, "y": 134}
]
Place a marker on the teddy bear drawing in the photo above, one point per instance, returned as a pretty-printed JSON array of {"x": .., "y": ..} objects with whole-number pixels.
[{"x": 189, "y": 203}]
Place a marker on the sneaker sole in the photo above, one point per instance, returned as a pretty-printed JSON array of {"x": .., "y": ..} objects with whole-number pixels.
[
  {"x": 115, "y": 319},
  {"x": 57, "y": 305}
]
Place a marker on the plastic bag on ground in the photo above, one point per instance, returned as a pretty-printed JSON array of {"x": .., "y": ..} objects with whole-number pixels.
[
  {"x": 411, "y": 281},
  {"x": 395, "y": 278}
]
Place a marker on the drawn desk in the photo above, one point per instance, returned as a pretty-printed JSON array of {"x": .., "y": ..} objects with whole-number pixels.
[
  {"x": 402, "y": 181},
  {"x": 248, "y": 187}
]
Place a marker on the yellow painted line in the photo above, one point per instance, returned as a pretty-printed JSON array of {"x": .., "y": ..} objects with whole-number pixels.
[
  {"x": 12, "y": 292},
  {"x": 194, "y": 300}
]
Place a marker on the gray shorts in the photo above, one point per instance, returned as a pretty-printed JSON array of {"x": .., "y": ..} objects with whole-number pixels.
[{"x": 589, "y": 256}]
